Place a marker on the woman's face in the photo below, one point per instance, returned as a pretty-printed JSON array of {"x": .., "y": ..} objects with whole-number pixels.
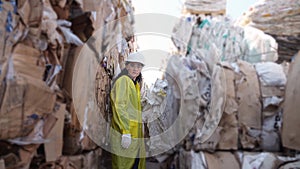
[{"x": 134, "y": 69}]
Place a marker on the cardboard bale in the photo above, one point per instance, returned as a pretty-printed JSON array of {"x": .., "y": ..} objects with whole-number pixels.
[
  {"x": 205, "y": 6},
  {"x": 11, "y": 111},
  {"x": 291, "y": 107},
  {"x": 103, "y": 88}
]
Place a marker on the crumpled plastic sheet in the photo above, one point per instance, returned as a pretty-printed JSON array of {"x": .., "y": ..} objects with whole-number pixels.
[
  {"x": 271, "y": 132},
  {"x": 271, "y": 74},
  {"x": 70, "y": 37},
  {"x": 272, "y": 101},
  {"x": 182, "y": 32},
  {"x": 268, "y": 160}
]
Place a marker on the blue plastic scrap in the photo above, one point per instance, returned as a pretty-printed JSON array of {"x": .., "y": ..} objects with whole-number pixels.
[
  {"x": 1, "y": 9},
  {"x": 14, "y": 4},
  {"x": 8, "y": 25},
  {"x": 204, "y": 22}
]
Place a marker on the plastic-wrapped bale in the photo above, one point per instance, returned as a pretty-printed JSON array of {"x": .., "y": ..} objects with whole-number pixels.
[
  {"x": 217, "y": 38},
  {"x": 240, "y": 120},
  {"x": 195, "y": 82},
  {"x": 205, "y": 6},
  {"x": 220, "y": 39},
  {"x": 214, "y": 129}
]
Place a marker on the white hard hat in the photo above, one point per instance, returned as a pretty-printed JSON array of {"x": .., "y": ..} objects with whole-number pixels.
[{"x": 136, "y": 57}]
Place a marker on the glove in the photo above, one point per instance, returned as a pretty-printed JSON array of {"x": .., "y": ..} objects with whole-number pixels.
[{"x": 126, "y": 140}]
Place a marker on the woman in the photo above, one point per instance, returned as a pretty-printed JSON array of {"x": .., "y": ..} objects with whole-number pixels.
[{"x": 126, "y": 128}]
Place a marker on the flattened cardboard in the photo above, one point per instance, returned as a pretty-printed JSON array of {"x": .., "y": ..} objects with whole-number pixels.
[
  {"x": 25, "y": 59},
  {"x": 39, "y": 98},
  {"x": 229, "y": 132},
  {"x": 24, "y": 10},
  {"x": 269, "y": 91},
  {"x": 231, "y": 105},
  {"x": 291, "y": 107},
  {"x": 220, "y": 160},
  {"x": 53, "y": 149},
  {"x": 27, "y": 152},
  {"x": 35, "y": 16},
  {"x": 248, "y": 95},
  {"x": 91, "y": 5},
  {"x": 11, "y": 111}
]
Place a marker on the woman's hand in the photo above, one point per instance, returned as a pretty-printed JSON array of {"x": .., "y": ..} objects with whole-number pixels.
[{"x": 126, "y": 140}]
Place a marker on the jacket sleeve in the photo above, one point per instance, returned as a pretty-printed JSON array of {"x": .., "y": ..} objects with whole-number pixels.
[{"x": 121, "y": 116}]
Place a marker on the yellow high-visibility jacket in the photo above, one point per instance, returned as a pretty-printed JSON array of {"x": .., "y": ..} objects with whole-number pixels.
[{"x": 126, "y": 119}]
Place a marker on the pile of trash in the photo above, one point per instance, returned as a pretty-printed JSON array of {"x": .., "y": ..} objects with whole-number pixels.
[
  {"x": 232, "y": 95},
  {"x": 42, "y": 44}
]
